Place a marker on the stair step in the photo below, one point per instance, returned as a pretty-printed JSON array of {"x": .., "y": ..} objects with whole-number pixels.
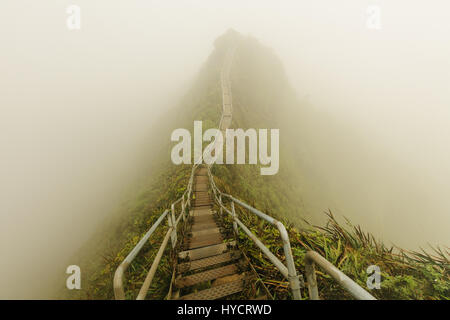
[
  {"x": 202, "y": 205},
  {"x": 203, "y": 226},
  {"x": 209, "y": 241},
  {"x": 199, "y": 193},
  {"x": 204, "y": 252},
  {"x": 202, "y": 185},
  {"x": 216, "y": 292},
  {"x": 206, "y": 276},
  {"x": 201, "y": 212},
  {"x": 203, "y": 219},
  {"x": 214, "y": 229},
  {"x": 210, "y": 261},
  {"x": 203, "y": 237}
]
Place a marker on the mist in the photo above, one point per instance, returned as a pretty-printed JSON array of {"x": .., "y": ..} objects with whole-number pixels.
[
  {"x": 375, "y": 114},
  {"x": 77, "y": 110}
]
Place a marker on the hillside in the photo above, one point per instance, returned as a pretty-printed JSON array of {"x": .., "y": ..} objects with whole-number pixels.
[{"x": 262, "y": 98}]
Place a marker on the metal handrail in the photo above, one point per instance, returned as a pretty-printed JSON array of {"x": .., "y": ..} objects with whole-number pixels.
[
  {"x": 185, "y": 201},
  {"x": 288, "y": 271},
  {"x": 151, "y": 273},
  {"x": 119, "y": 293},
  {"x": 351, "y": 286}
]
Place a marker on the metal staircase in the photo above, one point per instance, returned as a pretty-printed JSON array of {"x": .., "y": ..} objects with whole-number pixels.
[{"x": 209, "y": 259}]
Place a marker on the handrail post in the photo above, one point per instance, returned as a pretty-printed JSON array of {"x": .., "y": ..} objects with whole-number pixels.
[
  {"x": 183, "y": 209},
  {"x": 220, "y": 205},
  {"x": 235, "y": 228},
  {"x": 172, "y": 223},
  {"x": 311, "y": 279},
  {"x": 172, "y": 211},
  {"x": 293, "y": 278},
  {"x": 190, "y": 190}
]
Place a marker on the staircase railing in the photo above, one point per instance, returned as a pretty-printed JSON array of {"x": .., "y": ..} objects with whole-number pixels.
[
  {"x": 173, "y": 221},
  {"x": 348, "y": 284},
  {"x": 288, "y": 270}
]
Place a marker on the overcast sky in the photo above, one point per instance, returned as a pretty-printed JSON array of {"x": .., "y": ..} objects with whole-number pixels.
[{"x": 75, "y": 108}]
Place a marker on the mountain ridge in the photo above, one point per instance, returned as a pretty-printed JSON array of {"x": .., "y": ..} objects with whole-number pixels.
[{"x": 262, "y": 98}]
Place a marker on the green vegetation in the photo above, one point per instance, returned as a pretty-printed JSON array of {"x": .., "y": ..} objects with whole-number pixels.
[
  {"x": 405, "y": 274},
  {"x": 110, "y": 248},
  {"x": 259, "y": 87},
  {"x": 104, "y": 252}
]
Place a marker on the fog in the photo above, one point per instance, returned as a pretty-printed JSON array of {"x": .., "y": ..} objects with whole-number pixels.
[{"x": 77, "y": 109}]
